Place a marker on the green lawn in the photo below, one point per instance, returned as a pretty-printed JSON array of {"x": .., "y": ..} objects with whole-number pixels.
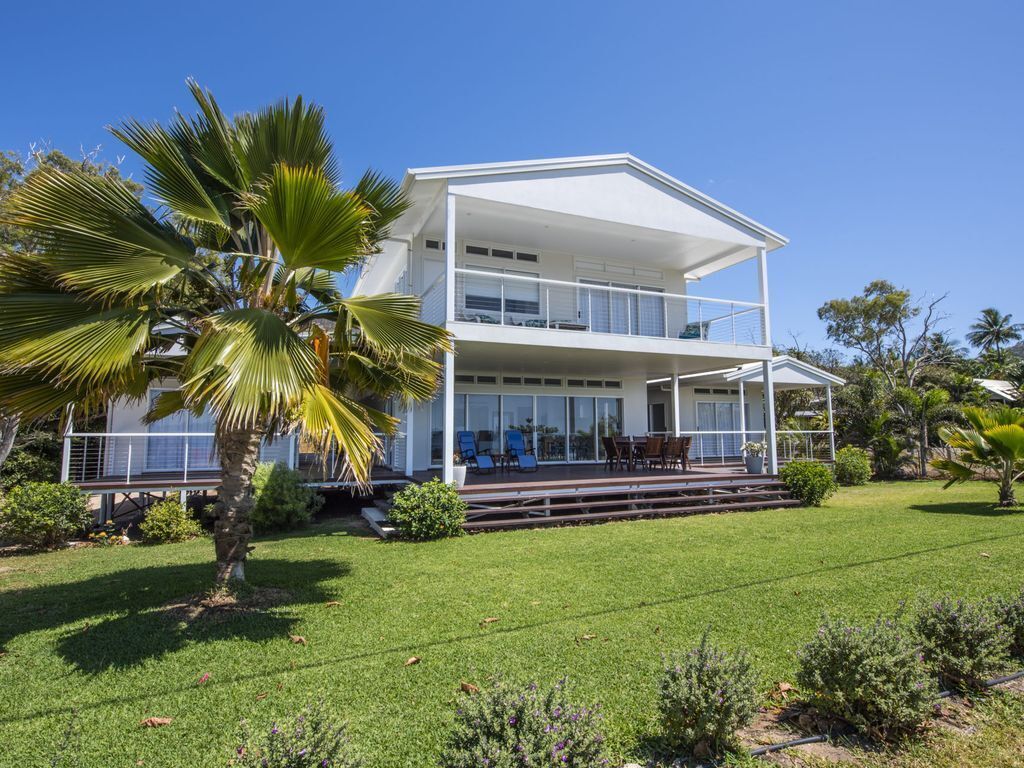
[{"x": 83, "y": 629}]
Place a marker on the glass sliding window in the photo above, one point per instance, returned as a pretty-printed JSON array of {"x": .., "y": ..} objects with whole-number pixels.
[
  {"x": 609, "y": 420},
  {"x": 550, "y": 428},
  {"x": 168, "y": 453},
  {"x": 517, "y": 413},
  {"x": 437, "y": 427},
  {"x": 582, "y": 435},
  {"x": 482, "y": 420},
  {"x": 522, "y": 297},
  {"x": 482, "y": 294}
]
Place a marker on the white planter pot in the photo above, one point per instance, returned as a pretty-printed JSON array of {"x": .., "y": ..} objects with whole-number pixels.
[
  {"x": 459, "y": 475},
  {"x": 755, "y": 464}
]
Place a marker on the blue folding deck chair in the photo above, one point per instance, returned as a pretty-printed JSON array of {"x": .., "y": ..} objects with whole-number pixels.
[
  {"x": 515, "y": 446},
  {"x": 478, "y": 462}
]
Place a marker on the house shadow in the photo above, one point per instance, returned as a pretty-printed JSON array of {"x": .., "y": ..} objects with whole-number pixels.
[
  {"x": 159, "y": 610},
  {"x": 971, "y": 508}
]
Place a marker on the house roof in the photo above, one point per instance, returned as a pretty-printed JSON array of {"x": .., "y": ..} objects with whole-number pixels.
[
  {"x": 1000, "y": 389},
  {"x": 772, "y": 239},
  {"x": 788, "y": 373}
]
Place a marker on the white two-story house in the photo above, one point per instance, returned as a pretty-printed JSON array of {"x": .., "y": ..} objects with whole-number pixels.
[{"x": 574, "y": 289}]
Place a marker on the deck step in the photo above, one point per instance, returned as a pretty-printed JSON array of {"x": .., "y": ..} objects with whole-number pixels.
[
  {"x": 625, "y": 493},
  {"x": 594, "y": 517},
  {"x": 378, "y": 521},
  {"x": 539, "y": 506}
]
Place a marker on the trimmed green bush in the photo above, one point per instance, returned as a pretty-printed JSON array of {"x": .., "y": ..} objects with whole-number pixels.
[
  {"x": 964, "y": 642},
  {"x": 874, "y": 677},
  {"x": 167, "y": 522},
  {"x": 432, "y": 510},
  {"x": 44, "y": 515},
  {"x": 282, "y": 499},
  {"x": 705, "y": 696},
  {"x": 809, "y": 481},
  {"x": 310, "y": 739},
  {"x": 24, "y": 466},
  {"x": 1011, "y": 613},
  {"x": 852, "y": 466},
  {"x": 508, "y": 726}
]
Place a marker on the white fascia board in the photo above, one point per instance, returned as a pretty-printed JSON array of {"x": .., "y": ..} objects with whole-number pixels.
[{"x": 774, "y": 239}]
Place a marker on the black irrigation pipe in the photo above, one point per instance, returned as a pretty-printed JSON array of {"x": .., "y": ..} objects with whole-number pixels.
[{"x": 820, "y": 738}]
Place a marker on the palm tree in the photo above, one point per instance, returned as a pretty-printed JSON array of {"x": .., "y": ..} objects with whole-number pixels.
[
  {"x": 228, "y": 288},
  {"x": 994, "y": 330},
  {"x": 993, "y": 445}
]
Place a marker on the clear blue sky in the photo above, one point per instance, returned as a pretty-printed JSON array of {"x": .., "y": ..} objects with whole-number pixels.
[{"x": 886, "y": 139}]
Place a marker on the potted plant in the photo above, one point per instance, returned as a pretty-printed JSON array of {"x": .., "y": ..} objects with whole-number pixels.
[
  {"x": 459, "y": 471},
  {"x": 753, "y": 457}
]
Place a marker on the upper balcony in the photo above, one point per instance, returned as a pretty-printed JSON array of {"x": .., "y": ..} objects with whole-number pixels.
[{"x": 514, "y": 301}]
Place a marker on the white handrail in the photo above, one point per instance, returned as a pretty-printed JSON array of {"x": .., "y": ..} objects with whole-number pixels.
[{"x": 630, "y": 291}]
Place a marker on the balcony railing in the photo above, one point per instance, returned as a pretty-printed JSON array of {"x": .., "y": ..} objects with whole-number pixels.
[
  {"x": 725, "y": 446},
  {"x": 162, "y": 459},
  {"x": 513, "y": 300}
]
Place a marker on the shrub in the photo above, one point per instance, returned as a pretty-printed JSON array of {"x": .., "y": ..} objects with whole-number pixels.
[
  {"x": 44, "y": 515},
  {"x": 706, "y": 695},
  {"x": 24, "y": 466},
  {"x": 852, "y": 466},
  {"x": 809, "y": 481},
  {"x": 507, "y": 726},
  {"x": 168, "y": 521},
  {"x": 282, "y": 501},
  {"x": 963, "y": 642},
  {"x": 1010, "y": 613},
  {"x": 307, "y": 740},
  {"x": 873, "y": 677},
  {"x": 429, "y": 511}
]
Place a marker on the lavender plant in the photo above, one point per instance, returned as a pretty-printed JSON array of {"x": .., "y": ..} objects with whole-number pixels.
[
  {"x": 1011, "y": 613},
  {"x": 706, "y": 695},
  {"x": 310, "y": 739},
  {"x": 874, "y": 676},
  {"x": 963, "y": 642},
  {"x": 508, "y": 726}
]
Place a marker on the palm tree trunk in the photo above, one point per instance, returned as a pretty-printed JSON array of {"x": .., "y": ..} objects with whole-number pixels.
[
  {"x": 9, "y": 423},
  {"x": 239, "y": 452},
  {"x": 1007, "y": 497},
  {"x": 923, "y": 436}
]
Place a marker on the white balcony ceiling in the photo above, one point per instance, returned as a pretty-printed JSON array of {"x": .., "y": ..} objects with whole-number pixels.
[{"x": 611, "y": 207}]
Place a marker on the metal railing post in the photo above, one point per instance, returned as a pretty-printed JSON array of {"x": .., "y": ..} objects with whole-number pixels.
[
  {"x": 502, "y": 284},
  {"x": 128, "y": 469},
  {"x": 732, "y": 315},
  {"x": 184, "y": 478},
  {"x": 664, "y": 305}
]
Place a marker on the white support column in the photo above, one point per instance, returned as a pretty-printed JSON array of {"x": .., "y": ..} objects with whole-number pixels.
[
  {"x": 408, "y": 440},
  {"x": 675, "y": 405},
  {"x": 743, "y": 415},
  {"x": 449, "y": 358},
  {"x": 69, "y": 429},
  {"x": 768, "y": 378},
  {"x": 762, "y": 281},
  {"x": 831, "y": 428}
]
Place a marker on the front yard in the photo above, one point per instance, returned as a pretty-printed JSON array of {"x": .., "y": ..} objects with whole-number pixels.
[{"x": 91, "y": 630}]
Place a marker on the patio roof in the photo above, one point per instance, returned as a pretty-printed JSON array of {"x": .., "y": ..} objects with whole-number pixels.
[{"x": 789, "y": 373}]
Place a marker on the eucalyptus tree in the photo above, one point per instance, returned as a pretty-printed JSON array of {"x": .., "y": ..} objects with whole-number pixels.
[{"x": 228, "y": 287}]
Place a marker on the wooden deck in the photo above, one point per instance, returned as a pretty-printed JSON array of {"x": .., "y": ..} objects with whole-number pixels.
[{"x": 560, "y": 473}]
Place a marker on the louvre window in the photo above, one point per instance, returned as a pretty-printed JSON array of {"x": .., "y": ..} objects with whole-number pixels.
[
  {"x": 532, "y": 381},
  {"x": 552, "y": 382},
  {"x": 500, "y": 253},
  {"x": 478, "y": 250},
  {"x": 486, "y": 379},
  {"x": 512, "y": 380}
]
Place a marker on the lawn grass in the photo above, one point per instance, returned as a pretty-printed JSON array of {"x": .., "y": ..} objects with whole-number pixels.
[{"x": 83, "y": 631}]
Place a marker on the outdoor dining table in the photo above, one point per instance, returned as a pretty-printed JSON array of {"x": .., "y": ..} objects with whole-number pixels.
[{"x": 635, "y": 447}]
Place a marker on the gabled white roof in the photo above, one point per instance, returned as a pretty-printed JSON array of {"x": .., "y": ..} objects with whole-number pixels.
[
  {"x": 1000, "y": 389},
  {"x": 773, "y": 239},
  {"x": 788, "y": 372}
]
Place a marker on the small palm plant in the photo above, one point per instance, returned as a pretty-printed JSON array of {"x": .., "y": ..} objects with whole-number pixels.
[
  {"x": 229, "y": 288},
  {"x": 991, "y": 447}
]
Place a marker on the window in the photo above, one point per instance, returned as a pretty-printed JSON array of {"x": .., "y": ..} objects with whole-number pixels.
[
  {"x": 515, "y": 380},
  {"x": 435, "y": 245},
  {"x": 486, "y": 379},
  {"x": 532, "y": 380},
  {"x": 613, "y": 385},
  {"x": 485, "y": 293},
  {"x": 531, "y": 257},
  {"x": 594, "y": 383},
  {"x": 168, "y": 453},
  {"x": 552, "y": 382},
  {"x": 464, "y": 378},
  {"x": 576, "y": 383},
  {"x": 477, "y": 250},
  {"x": 501, "y": 253}
]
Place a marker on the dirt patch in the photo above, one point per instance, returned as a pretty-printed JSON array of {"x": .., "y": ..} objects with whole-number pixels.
[{"x": 221, "y": 604}]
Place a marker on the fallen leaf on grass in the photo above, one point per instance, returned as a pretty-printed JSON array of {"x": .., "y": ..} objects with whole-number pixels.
[
  {"x": 411, "y": 660},
  {"x": 585, "y": 638},
  {"x": 468, "y": 687},
  {"x": 204, "y": 678},
  {"x": 261, "y": 696},
  {"x": 280, "y": 686},
  {"x": 489, "y": 620},
  {"x": 333, "y": 603},
  {"x": 985, "y": 554},
  {"x": 535, "y": 602},
  {"x": 155, "y": 722},
  {"x": 297, "y": 639}
]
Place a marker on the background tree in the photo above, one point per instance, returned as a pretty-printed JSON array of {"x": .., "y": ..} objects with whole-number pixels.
[
  {"x": 14, "y": 171},
  {"x": 895, "y": 335},
  {"x": 993, "y": 332},
  {"x": 229, "y": 288},
  {"x": 991, "y": 446}
]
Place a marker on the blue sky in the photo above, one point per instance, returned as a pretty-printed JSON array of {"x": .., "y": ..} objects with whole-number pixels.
[{"x": 885, "y": 139}]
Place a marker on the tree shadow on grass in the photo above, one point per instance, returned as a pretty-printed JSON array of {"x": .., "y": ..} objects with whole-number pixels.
[
  {"x": 161, "y": 609},
  {"x": 972, "y": 508}
]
